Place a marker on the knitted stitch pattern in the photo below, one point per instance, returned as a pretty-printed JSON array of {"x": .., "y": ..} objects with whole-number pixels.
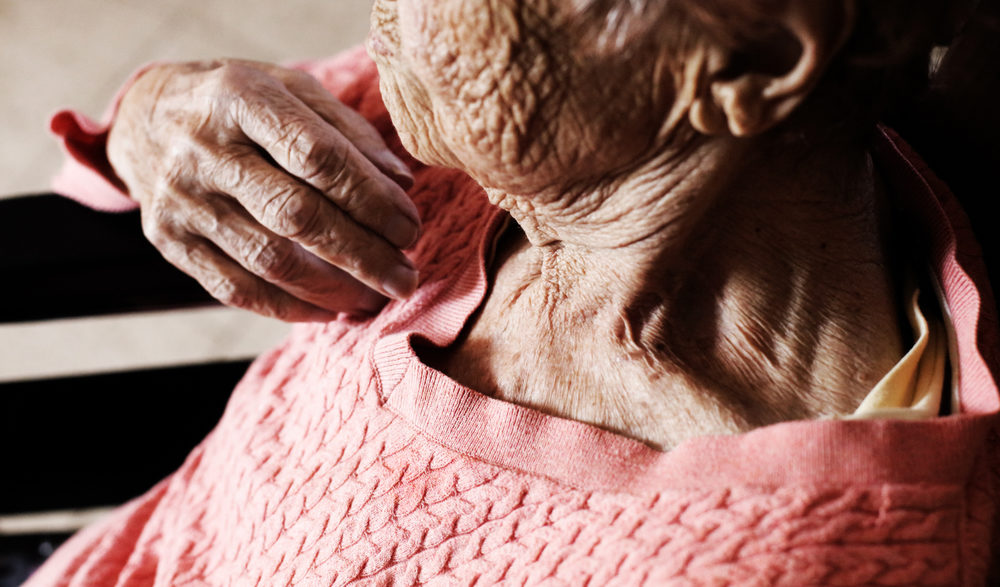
[{"x": 342, "y": 458}]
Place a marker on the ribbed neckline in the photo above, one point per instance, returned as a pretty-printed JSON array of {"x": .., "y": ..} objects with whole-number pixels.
[{"x": 839, "y": 453}]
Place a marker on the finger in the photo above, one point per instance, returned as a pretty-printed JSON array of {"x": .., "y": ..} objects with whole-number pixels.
[
  {"x": 280, "y": 261},
  {"x": 291, "y": 209},
  {"x": 234, "y": 286},
  {"x": 307, "y": 147},
  {"x": 349, "y": 122}
]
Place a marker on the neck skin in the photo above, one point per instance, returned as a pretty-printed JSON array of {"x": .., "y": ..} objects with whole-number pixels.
[{"x": 735, "y": 288}]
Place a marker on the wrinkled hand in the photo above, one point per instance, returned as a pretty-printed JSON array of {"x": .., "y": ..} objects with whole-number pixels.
[{"x": 255, "y": 181}]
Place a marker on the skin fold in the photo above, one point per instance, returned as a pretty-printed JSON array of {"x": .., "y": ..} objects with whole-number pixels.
[
  {"x": 677, "y": 270},
  {"x": 255, "y": 181},
  {"x": 697, "y": 247}
]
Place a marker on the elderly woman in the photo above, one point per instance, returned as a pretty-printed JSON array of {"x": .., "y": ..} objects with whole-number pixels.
[{"x": 707, "y": 324}]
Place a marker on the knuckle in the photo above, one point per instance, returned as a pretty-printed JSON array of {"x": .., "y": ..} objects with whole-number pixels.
[
  {"x": 178, "y": 252},
  {"x": 346, "y": 254},
  {"x": 178, "y": 173},
  {"x": 240, "y": 87},
  {"x": 352, "y": 195},
  {"x": 292, "y": 213},
  {"x": 212, "y": 218},
  {"x": 301, "y": 77},
  {"x": 226, "y": 168},
  {"x": 227, "y": 291},
  {"x": 232, "y": 75},
  {"x": 282, "y": 310},
  {"x": 319, "y": 163},
  {"x": 271, "y": 259},
  {"x": 154, "y": 219}
]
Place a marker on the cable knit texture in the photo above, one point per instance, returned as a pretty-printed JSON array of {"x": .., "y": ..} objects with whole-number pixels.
[{"x": 342, "y": 458}]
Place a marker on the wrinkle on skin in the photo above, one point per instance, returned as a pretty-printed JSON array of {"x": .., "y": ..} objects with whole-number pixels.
[{"x": 662, "y": 283}]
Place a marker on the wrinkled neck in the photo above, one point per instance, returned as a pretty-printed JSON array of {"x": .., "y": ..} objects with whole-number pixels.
[{"x": 760, "y": 277}]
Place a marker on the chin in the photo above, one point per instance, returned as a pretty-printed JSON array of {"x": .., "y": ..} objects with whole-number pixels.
[
  {"x": 400, "y": 115},
  {"x": 412, "y": 121}
]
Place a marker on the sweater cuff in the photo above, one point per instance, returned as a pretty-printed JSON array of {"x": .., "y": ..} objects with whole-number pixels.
[{"x": 86, "y": 175}]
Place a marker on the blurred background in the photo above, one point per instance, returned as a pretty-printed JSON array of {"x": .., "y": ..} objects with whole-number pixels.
[{"x": 75, "y": 53}]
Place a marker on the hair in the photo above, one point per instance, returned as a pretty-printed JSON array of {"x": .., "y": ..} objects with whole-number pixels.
[
  {"x": 886, "y": 67},
  {"x": 886, "y": 59},
  {"x": 886, "y": 31}
]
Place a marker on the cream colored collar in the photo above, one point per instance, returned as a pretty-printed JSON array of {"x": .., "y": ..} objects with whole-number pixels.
[{"x": 912, "y": 389}]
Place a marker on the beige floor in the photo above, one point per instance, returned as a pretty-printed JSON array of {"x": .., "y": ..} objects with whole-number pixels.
[{"x": 58, "y": 53}]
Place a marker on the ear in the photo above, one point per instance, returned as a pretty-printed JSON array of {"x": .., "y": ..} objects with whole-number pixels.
[{"x": 745, "y": 91}]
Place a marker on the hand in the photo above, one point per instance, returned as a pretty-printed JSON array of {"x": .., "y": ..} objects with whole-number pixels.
[{"x": 255, "y": 181}]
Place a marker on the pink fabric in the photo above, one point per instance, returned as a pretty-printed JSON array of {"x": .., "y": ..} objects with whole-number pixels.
[
  {"x": 341, "y": 457},
  {"x": 86, "y": 175}
]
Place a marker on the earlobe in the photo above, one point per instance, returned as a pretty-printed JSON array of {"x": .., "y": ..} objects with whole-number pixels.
[
  {"x": 756, "y": 96},
  {"x": 707, "y": 118},
  {"x": 740, "y": 101}
]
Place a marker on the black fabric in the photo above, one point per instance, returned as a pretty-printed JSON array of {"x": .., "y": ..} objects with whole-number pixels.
[
  {"x": 60, "y": 259},
  {"x": 103, "y": 439},
  {"x": 94, "y": 440},
  {"x": 21, "y": 555}
]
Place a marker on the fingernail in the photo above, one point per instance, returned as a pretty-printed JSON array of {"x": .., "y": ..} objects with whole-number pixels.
[
  {"x": 401, "y": 231},
  {"x": 398, "y": 170},
  {"x": 401, "y": 282},
  {"x": 321, "y": 316},
  {"x": 370, "y": 301},
  {"x": 404, "y": 181}
]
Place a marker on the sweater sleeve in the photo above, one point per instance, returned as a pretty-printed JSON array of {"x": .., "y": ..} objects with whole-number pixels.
[{"x": 87, "y": 176}]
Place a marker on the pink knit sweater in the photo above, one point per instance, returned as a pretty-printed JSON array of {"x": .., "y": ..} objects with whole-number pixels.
[{"x": 342, "y": 458}]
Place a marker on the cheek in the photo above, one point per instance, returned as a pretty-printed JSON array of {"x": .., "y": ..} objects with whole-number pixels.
[
  {"x": 407, "y": 103},
  {"x": 485, "y": 75},
  {"x": 397, "y": 28},
  {"x": 447, "y": 51},
  {"x": 484, "y": 89}
]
